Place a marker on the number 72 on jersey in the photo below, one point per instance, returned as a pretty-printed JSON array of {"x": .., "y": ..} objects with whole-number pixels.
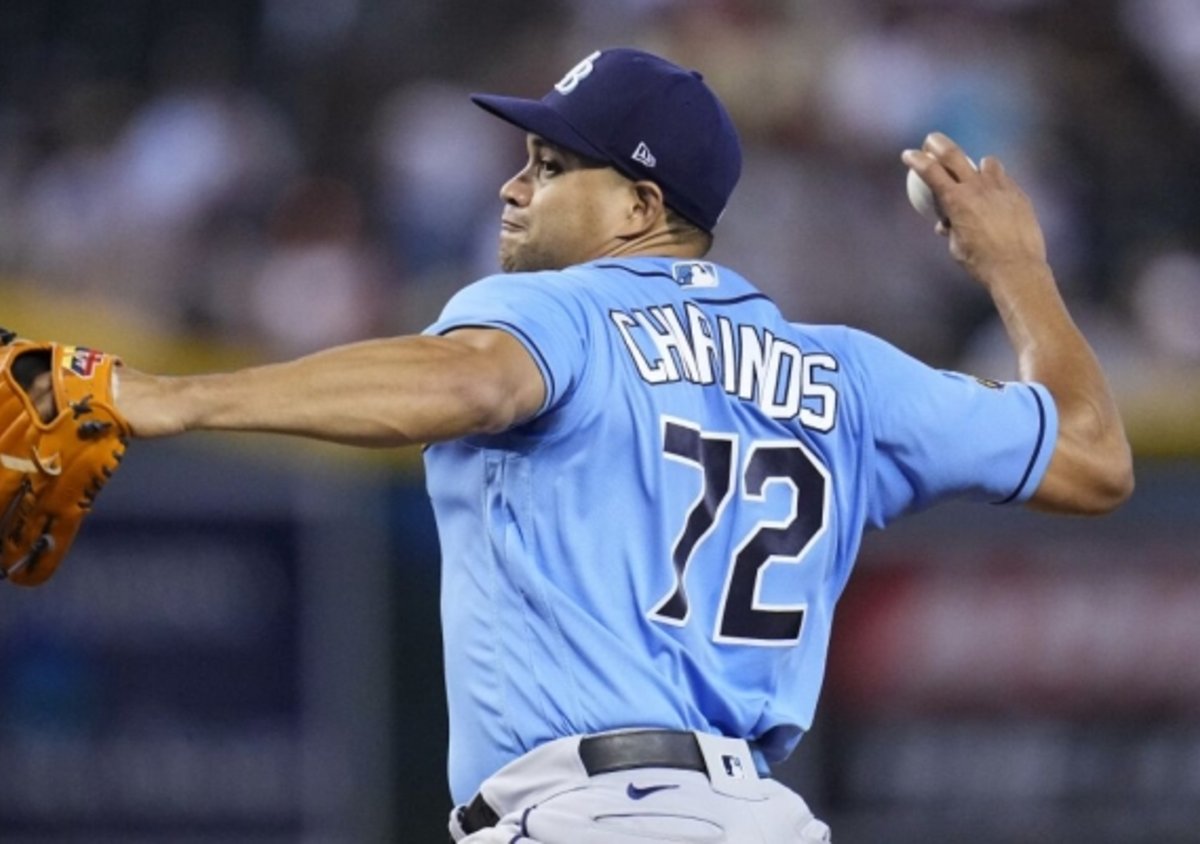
[{"x": 742, "y": 617}]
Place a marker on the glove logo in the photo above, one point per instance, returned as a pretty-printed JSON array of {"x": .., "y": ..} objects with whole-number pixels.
[{"x": 81, "y": 361}]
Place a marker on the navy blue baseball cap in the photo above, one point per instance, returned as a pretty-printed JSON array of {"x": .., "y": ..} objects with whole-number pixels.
[{"x": 643, "y": 115}]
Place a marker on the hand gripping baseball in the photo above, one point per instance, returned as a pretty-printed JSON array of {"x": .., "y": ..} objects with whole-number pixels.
[
  {"x": 58, "y": 447},
  {"x": 988, "y": 218}
]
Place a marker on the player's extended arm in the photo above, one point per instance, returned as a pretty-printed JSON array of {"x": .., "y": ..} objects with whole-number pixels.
[
  {"x": 995, "y": 235},
  {"x": 388, "y": 392}
]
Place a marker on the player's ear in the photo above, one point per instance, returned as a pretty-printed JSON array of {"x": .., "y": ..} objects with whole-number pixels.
[{"x": 646, "y": 208}]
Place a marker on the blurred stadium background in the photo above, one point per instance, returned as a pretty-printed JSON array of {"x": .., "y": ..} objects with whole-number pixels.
[{"x": 244, "y": 646}]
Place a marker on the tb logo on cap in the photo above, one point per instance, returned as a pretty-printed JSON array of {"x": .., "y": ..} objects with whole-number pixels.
[{"x": 577, "y": 74}]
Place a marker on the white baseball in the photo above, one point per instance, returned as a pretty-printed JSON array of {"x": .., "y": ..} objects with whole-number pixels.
[{"x": 922, "y": 198}]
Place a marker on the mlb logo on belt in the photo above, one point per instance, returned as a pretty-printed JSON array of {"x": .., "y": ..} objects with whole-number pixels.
[{"x": 81, "y": 361}]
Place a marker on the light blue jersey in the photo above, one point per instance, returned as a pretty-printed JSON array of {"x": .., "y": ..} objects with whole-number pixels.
[{"x": 664, "y": 543}]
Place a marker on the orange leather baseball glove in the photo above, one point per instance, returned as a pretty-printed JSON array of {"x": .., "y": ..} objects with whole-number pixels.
[{"x": 53, "y": 463}]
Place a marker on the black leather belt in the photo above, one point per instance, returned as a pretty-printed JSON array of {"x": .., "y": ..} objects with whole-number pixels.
[
  {"x": 625, "y": 751},
  {"x": 604, "y": 754}
]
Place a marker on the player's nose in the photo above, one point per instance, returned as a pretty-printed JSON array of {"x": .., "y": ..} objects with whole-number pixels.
[{"x": 516, "y": 191}]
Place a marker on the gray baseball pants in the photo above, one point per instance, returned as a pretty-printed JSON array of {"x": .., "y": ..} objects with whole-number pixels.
[{"x": 548, "y": 797}]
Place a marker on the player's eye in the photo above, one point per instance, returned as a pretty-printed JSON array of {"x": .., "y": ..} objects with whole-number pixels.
[{"x": 547, "y": 167}]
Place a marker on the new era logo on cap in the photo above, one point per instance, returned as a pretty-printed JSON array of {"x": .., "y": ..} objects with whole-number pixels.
[
  {"x": 644, "y": 116},
  {"x": 642, "y": 155}
]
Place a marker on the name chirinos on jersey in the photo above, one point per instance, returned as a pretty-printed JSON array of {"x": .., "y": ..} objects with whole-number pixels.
[{"x": 669, "y": 343}]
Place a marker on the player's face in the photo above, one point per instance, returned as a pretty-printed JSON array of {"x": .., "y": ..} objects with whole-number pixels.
[{"x": 559, "y": 210}]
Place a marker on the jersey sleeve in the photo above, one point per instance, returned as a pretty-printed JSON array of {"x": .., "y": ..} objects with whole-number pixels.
[
  {"x": 938, "y": 434},
  {"x": 537, "y": 310}
]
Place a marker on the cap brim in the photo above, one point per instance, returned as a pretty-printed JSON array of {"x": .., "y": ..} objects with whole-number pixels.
[{"x": 538, "y": 118}]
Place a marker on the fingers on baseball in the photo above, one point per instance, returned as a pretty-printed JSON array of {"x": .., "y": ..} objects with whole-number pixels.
[
  {"x": 949, "y": 155},
  {"x": 929, "y": 169}
]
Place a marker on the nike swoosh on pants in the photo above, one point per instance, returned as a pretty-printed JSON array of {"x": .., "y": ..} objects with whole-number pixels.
[{"x": 635, "y": 793}]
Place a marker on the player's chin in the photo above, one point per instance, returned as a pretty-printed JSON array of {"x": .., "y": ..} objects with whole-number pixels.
[
  {"x": 519, "y": 257},
  {"x": 510, "y": 253},
  {"x": 507, "y": 264}
]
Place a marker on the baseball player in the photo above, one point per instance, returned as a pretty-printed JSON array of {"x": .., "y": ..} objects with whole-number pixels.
[{"x": 650, "y": 487}]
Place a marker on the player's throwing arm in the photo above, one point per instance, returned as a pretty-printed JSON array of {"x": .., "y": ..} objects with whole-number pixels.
[{"x": 994, "y": 234}]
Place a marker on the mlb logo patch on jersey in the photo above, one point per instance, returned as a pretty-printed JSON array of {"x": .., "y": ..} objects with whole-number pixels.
[
  {"x": 81, "y": 361},
  {"x": 695, "y": 274}
]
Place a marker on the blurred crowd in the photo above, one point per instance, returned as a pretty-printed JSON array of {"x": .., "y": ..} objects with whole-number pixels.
[{"x": 289, "y": 174}]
